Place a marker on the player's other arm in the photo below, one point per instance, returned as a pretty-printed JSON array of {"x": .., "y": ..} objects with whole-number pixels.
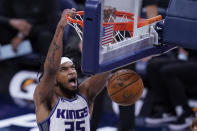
[
  {"x": 44, "y": 91},
  {"x": 91, "y": 87}
]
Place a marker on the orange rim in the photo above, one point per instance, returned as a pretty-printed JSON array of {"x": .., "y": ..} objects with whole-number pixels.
[
  {"x": 120, "y": 26},
  {"x": 71, "y": 20}
]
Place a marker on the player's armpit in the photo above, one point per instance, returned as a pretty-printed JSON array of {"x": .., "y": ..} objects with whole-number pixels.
[{"x": 44, "y": 92}]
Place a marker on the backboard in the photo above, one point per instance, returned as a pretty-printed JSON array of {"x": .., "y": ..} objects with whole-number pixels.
[{"x": 105, "y": 48}]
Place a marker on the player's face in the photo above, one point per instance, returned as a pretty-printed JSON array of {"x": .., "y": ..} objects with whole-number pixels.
[{"x": 67, "y": 76}]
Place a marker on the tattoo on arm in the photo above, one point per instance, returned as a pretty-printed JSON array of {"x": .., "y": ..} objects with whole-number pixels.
[{"x": 55, "y": 48}]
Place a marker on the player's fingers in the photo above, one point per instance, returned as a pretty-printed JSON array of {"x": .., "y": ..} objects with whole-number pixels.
[
  {"x": 65, "y": 11},
  {"x": 73, "y": 12},
  {"x": 70, "y": 12},
  {"x": 73, "y": 9}
]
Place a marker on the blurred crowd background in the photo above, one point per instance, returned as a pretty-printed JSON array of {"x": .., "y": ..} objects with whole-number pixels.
[{"x": 169, "y": 101}]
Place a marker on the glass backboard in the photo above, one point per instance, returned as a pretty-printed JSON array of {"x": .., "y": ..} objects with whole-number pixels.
[{"x": 107, "y": 46}]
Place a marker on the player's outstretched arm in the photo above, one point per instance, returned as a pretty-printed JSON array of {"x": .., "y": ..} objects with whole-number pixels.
[{"x": 44, "y": 91}]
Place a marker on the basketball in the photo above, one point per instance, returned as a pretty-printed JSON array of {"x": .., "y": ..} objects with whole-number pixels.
[{"x": 125, "y": 87}]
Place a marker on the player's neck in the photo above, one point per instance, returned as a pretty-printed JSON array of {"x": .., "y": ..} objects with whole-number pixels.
[
  {"x": 65, "y": 93},
  {"x": 68, "y": 96}
]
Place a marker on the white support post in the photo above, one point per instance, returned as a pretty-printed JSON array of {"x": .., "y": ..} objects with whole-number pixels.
[{"x": 136, "y": 14}]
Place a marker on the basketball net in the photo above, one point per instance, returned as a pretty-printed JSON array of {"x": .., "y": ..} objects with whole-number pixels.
[{"x": 118, "y": 28}]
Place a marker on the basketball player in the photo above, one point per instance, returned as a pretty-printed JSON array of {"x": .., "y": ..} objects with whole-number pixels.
[{"x": 62, "y": 105}]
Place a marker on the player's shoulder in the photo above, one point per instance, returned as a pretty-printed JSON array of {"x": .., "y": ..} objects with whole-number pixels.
[
  {"x": 83, "y": 86},
  {"x": 81, "y": 96}
]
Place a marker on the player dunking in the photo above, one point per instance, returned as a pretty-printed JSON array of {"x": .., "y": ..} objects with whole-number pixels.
[{"x": 62, "y": 105}]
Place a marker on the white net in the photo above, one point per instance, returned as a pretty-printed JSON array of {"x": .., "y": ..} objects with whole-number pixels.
[
  {"x": 112, "y": 37},
  {"x": 116, "y": 42},
  {"x": 76, "y": 26}
]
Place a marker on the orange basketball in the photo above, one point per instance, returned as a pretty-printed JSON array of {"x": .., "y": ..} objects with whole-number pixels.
[{"x": 125, "y": 87}]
